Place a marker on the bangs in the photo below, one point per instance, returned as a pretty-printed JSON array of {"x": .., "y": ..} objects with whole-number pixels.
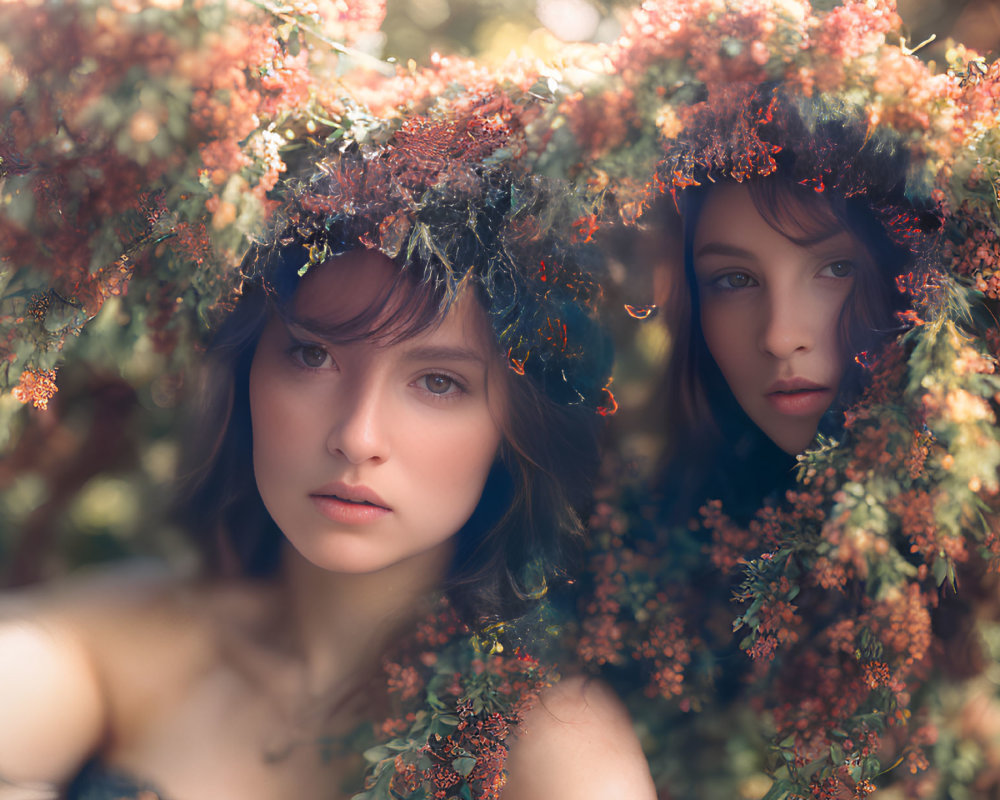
[
  {"x": 798, "y": 213},
  {"x": 405, "y": 308}
]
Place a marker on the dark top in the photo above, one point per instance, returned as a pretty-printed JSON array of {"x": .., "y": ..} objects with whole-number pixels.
[{"x": 97, "y": 782}]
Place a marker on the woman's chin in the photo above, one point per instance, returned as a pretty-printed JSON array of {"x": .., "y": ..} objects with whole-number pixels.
[{"x": 792, "y": 436}]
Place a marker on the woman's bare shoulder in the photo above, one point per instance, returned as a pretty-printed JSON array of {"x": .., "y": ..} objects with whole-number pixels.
[
  {"x": 103, "y": 608},
  {"x": 63, "y": 649},
  {"x": 578, "y": 743}
]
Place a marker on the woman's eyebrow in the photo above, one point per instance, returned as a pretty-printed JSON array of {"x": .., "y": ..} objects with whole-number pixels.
[
  {"x": 443, "y": 353},
  {"x": 723, "y": 249},
  {"x": 837, "y": 239},
  {"x": 313, "y": 327}
]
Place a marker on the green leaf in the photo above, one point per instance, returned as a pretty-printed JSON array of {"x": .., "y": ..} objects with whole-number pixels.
[
  {"x": 381, "y": 790},
  {"x": 377, "y": 753},
  {"x": 940, "y": 570},
  {"x": 779, "y": 790},
  {"x": 544, "y": 90},
  {"x": 464, "y": 765}
]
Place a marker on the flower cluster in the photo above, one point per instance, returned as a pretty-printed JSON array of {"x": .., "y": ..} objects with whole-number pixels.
[
  {"x": 36, "y": 387},
  {"x": 136, "y": 152},
  {"x": 974, "y": 250},
  {"x": 456, "y": 697},
  {"x": 449, "y": 81}
]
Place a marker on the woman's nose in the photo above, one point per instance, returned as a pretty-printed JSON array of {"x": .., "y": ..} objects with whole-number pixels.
[
  {"x": 359, "y": 430},
  {"x": 788, "y": 326}
]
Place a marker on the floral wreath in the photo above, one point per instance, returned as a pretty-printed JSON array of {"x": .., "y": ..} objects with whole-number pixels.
[{"x": 444, "y": 198}]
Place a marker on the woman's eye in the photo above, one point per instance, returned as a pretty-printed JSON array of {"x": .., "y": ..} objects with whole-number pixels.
[
  {"x": 438, "y": 384},
  {"x": 310, "y": 355},
  {"x": 734, "y": 280},
  {"x": 839, "y": 269}
]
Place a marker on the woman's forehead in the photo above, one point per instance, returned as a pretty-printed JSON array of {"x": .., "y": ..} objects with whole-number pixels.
[
  {"x": 346, "y": 286},
  {"x": 363, "y": 295},
  {"x": 735, "y": 211}
]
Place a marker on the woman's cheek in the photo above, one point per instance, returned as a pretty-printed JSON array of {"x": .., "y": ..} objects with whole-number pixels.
[{"x": 724, "y": 327}]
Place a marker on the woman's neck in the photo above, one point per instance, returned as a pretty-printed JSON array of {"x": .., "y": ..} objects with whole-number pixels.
[{"x": 340, "y": 624}]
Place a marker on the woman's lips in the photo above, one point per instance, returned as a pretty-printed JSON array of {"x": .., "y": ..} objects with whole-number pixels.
[
  {"x": 799, "y": 397},
  {"x": 350, "y": 505},
  {"x": 347, "y": 512}
]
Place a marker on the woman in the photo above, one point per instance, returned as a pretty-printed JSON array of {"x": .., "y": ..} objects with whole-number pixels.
[
  {"x": 798, "y": 238},
  {"x": 844, "y": 548},
  {"x": 789, "y": 277},
  {"x": 366, "y": 444},
  {"x": 813, "y": 300}
]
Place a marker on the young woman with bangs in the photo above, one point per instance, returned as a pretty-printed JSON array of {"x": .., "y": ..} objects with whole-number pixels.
[{"x": 364, "y": 445}]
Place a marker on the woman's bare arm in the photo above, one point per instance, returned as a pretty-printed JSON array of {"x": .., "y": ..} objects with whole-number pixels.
[
  {"x": 578, "y": 744},
  {"x": 52, "y": 708}
]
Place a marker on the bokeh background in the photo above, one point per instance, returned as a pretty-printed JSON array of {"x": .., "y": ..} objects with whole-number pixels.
[
  {"x": 86, "y": 480},
  {"x": 481, "y": 28}
]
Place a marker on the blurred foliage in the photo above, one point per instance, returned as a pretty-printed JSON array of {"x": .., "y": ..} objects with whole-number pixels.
[
  {"x": 490, "y": 30},
  {"x": 87, "y": 480}
]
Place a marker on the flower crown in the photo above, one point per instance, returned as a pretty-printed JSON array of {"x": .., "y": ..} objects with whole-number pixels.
[
  {"x": 442, "y": 199},
  {"x": 688, "y": 93},
  {"x": 745, "y": 132}
]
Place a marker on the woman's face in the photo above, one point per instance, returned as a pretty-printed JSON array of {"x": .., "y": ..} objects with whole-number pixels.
[
  {"x": 770, "y": 313},
  {"x": 370, "y": 454}
]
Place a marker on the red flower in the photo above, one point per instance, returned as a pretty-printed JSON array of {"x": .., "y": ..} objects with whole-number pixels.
[{"x": 37, "y": 386}]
